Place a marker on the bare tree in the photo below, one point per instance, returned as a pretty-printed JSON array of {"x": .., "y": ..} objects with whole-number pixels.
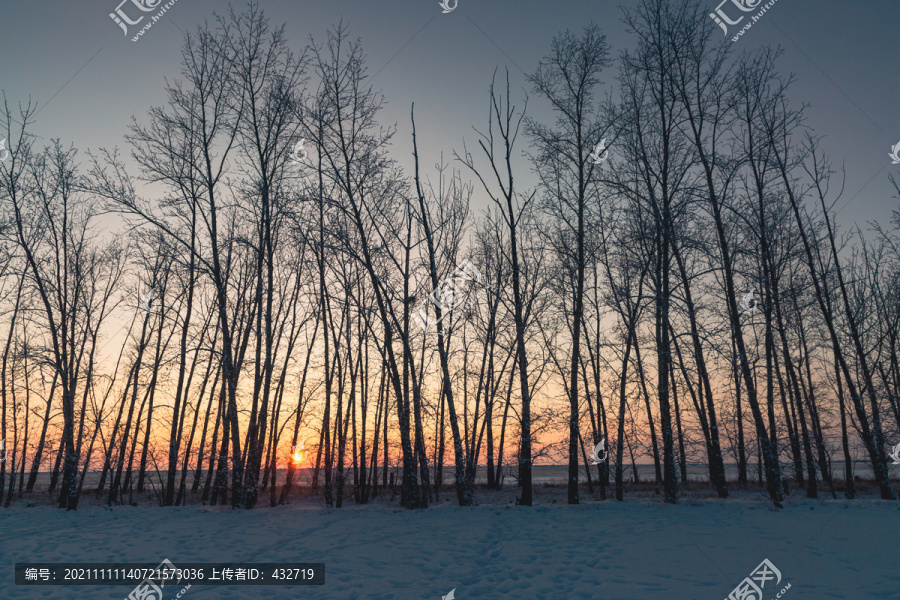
[
  {"x": 497, "y": 179},
  {"x": 567, "y": 157}
]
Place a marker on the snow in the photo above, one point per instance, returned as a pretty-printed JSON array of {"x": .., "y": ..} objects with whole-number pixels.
[{"x": 637, "y": 550}]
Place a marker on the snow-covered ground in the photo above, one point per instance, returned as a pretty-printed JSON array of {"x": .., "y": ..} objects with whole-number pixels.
[{"x": 637, "y": 550}]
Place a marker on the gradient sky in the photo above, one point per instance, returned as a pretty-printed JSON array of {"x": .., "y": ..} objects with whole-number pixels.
[{"x": 89, "y": 79}]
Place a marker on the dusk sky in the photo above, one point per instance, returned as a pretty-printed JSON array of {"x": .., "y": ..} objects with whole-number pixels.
[
  {"x": 634, "y": 379},
  {"x": 90, "y": 79}
]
